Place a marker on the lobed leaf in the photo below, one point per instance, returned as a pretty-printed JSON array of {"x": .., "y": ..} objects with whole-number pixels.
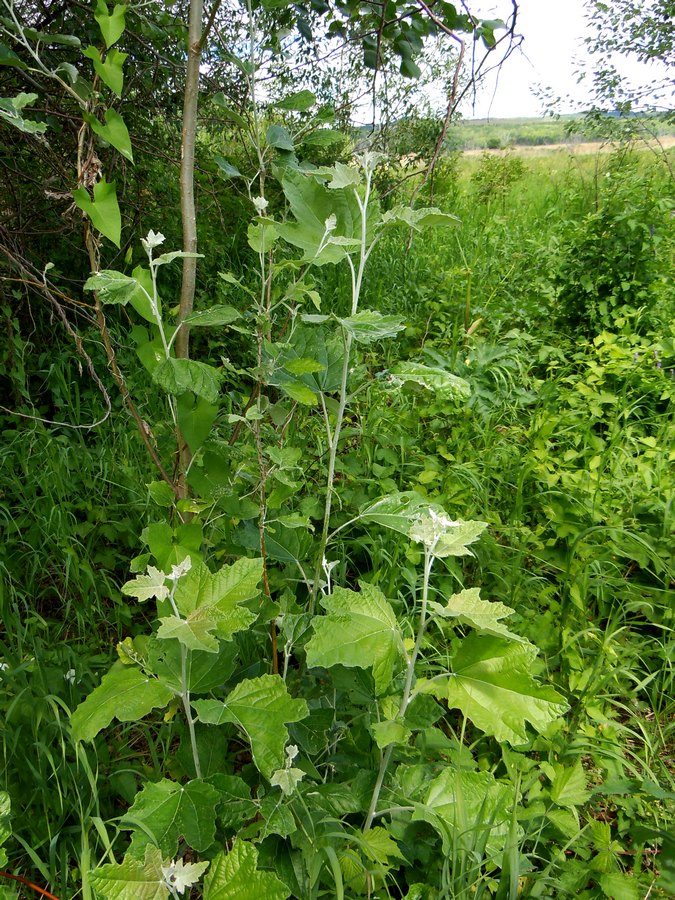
[
  {"x": 261, "y": 707},
  {"x": 103, "y": 210},
  {"x": 235, "y": 876},
  {"x": 368, "y": 630},
  {"x": 493, "y": 685},
  {"x": 165, "y": 811},
  {"x": 125, "y": 693},
  {"x": 484, "y": 615}
]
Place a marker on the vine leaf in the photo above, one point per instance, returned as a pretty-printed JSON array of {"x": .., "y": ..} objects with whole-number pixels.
[
  {"x": 492, "y": 684},
  {"x": 114, "y": 131},
  {"x": 132, "y": 879},
  {"x": 165, "y": 811},
  {"x": 112, "y": 26},
  {"x": 369, "y": 632},
  {"x": 484, "y": 615},
  {"x": 125, "y": 693},
  {"x": 109, "y": 69},
  {"x": 103, "y": 210},
  {"x": 235, "y": 876},
  {"x": 261, "y": 707}
]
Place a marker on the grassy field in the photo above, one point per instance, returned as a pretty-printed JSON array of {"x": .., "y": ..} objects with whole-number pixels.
[{"x": 495, "y": 134}]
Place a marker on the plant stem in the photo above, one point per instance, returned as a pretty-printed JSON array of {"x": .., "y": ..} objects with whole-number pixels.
[
  {"x": 334, "y": 438},
  {"x": 185, "y": 697},
  {"x": 185, "y": 691},
  {"x": 407, "y": 689}
]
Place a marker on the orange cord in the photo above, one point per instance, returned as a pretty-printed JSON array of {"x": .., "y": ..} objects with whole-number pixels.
[{"x": 29, "y": 884}]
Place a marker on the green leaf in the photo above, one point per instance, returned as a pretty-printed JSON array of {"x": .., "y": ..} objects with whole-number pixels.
[
  {"x": 5, "y": 810},
  {"x": 133, "y": 879},
  {"x": 9, "y": 58},
  {"x": 227, "y": 168},
  {"x": 492, "y": 684},
  {"x": 468, "y": 809},
  {"x": 300, "y": 101},
  {"x": 165, "y": 811},
  {"x": 469, "y": 609},
  {"x": 195, "y": 419},
  {"x": 398, "y": 511},
  {"x": 418, "y": 219},
  {"x": 231, "y": 114},
  {"x": 11, "y": 111},
  {"x": 261, "y": 707},
  {"x": 144, "y": 587},
  {"x": 325, "y": 137},
  {"x": 409, "y": 68},
  {"x": 312, "y": 205},
  {"x": 165, "y": 258},
  {"x": 444, "y": 384},
  {"x": 569, "y": 785},
  {"x": 214, "y": 316},
  {"x": 103, "y": 210},
  {"x": 379, "y": 846},
  {"x": 112, "y": 26},
  {"x": 109, "y": 70},
  {"x": 369, "y": 634},
  {"x": 369, "y": 325},
  {"x": 343, "y": 176},
  {"x": 112, "y": 286},
  {"x": 69, "y": 70},
  {"x": 278, "y": 137},
  {"x": 177, "y": 376},
  {"x": 303, "y": 366},
  {"x": 125, "y": 694},
  {"x": 262, "y": 236},
  {"x": 196, "y": 631},
  {"x": 390, "y": 731},
  {"x": 228, "y": 586},
  {"x": 300, "y": 392},
  {"x": 621, "y": 886},
  {"x": 209, "y": 603},
  {"x": 235, "y": 876},
  {"x": 161, "y": 493},
  {"x": 445, "y": 537},
  {"x": 323, "y": 345}
]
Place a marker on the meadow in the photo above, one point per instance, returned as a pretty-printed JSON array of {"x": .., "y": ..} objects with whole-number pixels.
[{"x": 510, "y": 375}]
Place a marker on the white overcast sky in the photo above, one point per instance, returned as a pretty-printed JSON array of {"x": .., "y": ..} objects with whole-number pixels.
[{"x": 551, "y": 55}]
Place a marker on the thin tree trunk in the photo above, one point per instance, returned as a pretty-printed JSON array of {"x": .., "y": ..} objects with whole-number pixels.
[{"x": 188, "y": 212}]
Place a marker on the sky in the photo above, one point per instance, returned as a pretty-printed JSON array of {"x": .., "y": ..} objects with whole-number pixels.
[{"x": 551, "y": 55}]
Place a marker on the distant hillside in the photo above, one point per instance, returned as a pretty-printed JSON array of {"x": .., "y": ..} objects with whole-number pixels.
[{"x": 493, "y": 134}]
